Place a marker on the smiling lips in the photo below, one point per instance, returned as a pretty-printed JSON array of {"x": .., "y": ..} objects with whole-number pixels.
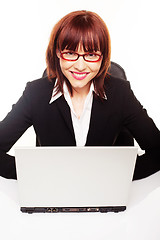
[{"x": 79, "y": 76}]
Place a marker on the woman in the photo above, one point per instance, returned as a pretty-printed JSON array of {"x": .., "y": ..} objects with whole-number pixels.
[{"x": 79, "y": 103}]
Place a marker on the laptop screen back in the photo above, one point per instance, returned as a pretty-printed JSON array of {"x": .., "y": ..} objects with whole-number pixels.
[{"x": 74, "y": 176}]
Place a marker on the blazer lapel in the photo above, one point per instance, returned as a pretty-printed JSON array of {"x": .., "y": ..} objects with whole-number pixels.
[
  {"x": 65, "y": 113},
  {"x": 97, "y": 113},
  {"x": 96, "y": 121}
]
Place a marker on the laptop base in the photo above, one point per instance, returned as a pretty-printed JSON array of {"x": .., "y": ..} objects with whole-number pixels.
[{"x": 115, "y": 209}]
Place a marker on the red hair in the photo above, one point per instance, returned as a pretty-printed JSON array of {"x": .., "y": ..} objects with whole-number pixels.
[{"x": 79, "y": 27}]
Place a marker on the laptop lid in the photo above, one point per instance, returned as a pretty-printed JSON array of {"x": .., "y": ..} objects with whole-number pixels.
[{"x": 52, "y": 179}]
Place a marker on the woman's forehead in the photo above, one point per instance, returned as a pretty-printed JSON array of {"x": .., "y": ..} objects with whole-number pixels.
[
  {"x": 84, "y": 45},
  {"x": 80, "y": 48}
]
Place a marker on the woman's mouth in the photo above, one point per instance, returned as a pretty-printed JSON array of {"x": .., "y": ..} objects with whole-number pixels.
[{"x": 79, "y": 75}]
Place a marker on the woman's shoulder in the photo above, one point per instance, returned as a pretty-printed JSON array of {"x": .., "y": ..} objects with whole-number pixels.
[
  {"x": 113, "y": 84},
  {"x": 39, "y": 89},
  {"x": 112, "y": 81},
  {"x": 41, "y": 83}
]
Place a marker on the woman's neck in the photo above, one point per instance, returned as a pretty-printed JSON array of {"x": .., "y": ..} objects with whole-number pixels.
[
  {"x": 78, "y": 99},
  {"x": 81, "y": 93}
]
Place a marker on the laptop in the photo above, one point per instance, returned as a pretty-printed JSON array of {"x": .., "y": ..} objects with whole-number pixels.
[{"x": 74, "y": 179}]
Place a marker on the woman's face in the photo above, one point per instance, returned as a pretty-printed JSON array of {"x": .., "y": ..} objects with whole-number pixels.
[{"x": 80, "y": 72}]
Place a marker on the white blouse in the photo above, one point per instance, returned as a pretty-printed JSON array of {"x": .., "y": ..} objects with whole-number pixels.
[{"x": 80, "y": 125}]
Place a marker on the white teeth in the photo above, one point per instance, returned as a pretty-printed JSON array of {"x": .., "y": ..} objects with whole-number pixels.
[{"x": 79, "y": 75}]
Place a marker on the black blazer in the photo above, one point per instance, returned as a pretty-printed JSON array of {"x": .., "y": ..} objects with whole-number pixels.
[{"x": 53, "y": 124}]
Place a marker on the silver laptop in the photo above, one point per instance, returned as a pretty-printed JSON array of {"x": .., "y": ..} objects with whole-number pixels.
[{"x": 74, "y": 179}]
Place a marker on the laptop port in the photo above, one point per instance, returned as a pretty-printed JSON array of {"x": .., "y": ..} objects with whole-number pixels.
[
  {"x": 52, "y": 210},
  {"x": 82, "y": 209},
  {"x": 70, "y": 209},
  {"x": 49, "y": 209},
  {"x": 93, "y": 209},
  {"x": 73, "y": 209}
]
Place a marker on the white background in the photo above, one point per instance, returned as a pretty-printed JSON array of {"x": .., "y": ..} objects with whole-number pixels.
[{"x": 25, "y": 28}]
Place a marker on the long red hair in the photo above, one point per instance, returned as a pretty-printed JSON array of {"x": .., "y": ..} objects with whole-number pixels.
[{"x": 79, "y": 27}]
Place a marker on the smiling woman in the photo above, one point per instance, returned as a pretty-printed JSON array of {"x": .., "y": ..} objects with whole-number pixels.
[
  {"x": 80, "y": 72},
  {"x": 79, "y": 103},
  {"x": 80, "y": 32}
]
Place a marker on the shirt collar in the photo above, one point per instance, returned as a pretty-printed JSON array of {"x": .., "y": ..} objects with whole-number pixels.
[{"x": 65, "y": 90}]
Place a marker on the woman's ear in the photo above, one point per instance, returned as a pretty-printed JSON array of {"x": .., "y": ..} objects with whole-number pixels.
[{"x": 58, "y": 53}]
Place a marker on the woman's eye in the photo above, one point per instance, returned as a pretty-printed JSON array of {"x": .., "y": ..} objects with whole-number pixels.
[
  {"x": 91, "y": 54},
  {"x": 70, "y": 53}
]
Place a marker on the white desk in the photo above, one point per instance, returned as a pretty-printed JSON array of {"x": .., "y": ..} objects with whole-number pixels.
[{"x": 141, "y": 220}]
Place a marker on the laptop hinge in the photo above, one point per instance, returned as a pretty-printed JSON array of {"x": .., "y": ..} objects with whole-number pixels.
[{"x": 72, "y": 209}]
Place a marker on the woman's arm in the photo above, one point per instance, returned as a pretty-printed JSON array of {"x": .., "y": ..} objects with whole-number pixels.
[
  {"x": 146, "y": 134},
  {"x": 11, "y": 128}
]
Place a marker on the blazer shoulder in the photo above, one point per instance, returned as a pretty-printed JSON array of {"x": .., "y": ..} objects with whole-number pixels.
[
  {"x": 39, "y": 89},
  {"x": 113, "y": 84},
  {"x": 41, "y": 83}
]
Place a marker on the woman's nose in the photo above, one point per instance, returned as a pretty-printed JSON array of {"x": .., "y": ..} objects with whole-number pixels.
[{"x": 80, "y": 64}]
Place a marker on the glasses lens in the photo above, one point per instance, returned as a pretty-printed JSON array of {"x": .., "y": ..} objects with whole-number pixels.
[
  {"x": 91, "y": 57},
  {"x": 69, "y": 55}
]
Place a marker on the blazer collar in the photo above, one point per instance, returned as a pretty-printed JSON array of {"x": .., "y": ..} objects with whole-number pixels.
[{"x": 55, "y": 95}]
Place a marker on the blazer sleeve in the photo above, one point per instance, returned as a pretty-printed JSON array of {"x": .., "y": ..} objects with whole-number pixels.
[
  {"x": 146, "y": 134},
  {"x": 17, "y": 121}
]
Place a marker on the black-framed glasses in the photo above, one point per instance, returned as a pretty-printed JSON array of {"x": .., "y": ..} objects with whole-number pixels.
[{"x": 73, "y": 56}]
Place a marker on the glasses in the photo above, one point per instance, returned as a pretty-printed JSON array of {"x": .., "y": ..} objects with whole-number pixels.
[{"x": 88, "y": 57}]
